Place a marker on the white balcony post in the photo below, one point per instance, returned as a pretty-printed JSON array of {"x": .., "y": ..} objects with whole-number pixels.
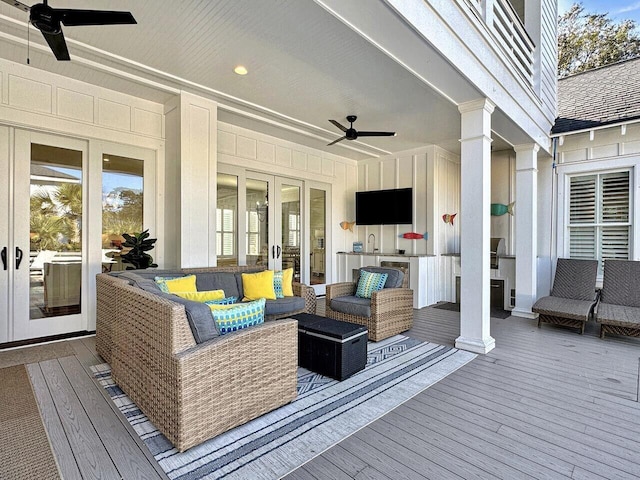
[
  {"x": 526, "y": 235},
  {"x": 475, "y": 207}
]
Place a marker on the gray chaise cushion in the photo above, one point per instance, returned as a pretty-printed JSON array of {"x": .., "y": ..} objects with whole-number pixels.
[
  {"x": 618, "y": 315},
  {"x": 394, "y": 276},
  {"x": 564, "y": 308},
  {"x": 621, "y": 285},
  {"x": 352, "y": 305},
  {"x": 283, "y": 305},
  {"x": 575, "y": 279}
]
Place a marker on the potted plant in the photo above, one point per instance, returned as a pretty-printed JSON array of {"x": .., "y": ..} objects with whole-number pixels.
[{"x": 138, "y": 244}]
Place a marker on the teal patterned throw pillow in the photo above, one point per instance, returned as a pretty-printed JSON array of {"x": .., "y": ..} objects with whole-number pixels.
[
  {"x": 370, "y": 282},
  {"x": 222, "y": 301},
  {"x": 161, "y": 282},
  {"x": 277, "y": 284},
  {"x": 231, "y": 318}
]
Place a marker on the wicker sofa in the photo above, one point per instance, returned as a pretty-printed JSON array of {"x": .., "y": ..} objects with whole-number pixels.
[
  {"x": 193, "y": 391},
  {"x": 387, "y": 313}
]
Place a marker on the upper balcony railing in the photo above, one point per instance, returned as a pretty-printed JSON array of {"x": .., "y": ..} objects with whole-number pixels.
[{"x": 510, "y": 33}]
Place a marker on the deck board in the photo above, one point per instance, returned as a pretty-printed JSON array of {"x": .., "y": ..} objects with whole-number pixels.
[{"x": 547, "y": 403}]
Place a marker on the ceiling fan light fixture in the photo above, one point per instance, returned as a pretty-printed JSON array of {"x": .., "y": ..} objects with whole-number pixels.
[{"x": 240, "y": 70}]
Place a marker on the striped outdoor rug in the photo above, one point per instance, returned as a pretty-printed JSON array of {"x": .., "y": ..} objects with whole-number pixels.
[{"x": 324, "y": 413}]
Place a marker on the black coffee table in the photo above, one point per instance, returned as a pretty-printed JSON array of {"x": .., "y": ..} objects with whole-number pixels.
[{"x": 330, "y": 347}]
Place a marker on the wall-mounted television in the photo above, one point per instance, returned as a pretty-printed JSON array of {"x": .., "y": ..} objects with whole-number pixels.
[{"x": 384, "y": 207}]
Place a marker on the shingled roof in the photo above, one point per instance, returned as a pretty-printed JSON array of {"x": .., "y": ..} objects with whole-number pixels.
[{"x": 601, "y": 96}]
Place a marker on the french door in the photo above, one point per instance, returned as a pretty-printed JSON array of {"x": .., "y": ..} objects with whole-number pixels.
[
  {"x": 274, "y": 222},
  {"x": 56, "y": 193},
  {"x": 47, "y": 237}
]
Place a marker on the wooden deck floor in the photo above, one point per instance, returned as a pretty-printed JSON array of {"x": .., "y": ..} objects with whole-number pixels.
[{"x": 546, "y": 403}]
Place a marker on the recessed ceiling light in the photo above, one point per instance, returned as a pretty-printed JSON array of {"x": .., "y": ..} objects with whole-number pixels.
[
  {"x": 105, "y": 159},
  {"x": 241, "y": 70}
]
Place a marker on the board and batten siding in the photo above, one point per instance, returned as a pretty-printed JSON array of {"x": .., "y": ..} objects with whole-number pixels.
[
  {"x": 434, "y": 175},
  {"x": 37, "y": 99}
]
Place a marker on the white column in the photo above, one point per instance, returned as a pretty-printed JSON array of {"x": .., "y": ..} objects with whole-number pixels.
[
  {"x": 526, "y": 235},
  {"x": 475, "y": 209}
]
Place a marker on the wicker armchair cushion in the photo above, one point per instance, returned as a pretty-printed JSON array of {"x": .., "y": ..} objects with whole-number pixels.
[
  {"x": 219, "y": 281},
  {"x": 394, "y": 276},
  {"x": 621, "y": 283},
  {"x": 564, "y": 307},
  {"x": 352, "y": 305},
  {"x": 370, "y": 282},
  {"x": 575, "y": 279},
  {"x": 280, "y": 306}
]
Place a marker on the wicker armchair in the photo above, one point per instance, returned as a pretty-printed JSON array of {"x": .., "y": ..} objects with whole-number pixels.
[
  {"x": 192, "y": 392},
  {"x": 391, "y": 309},
  {"x": 573, "y": 297},
  {"x": 619, "y": 307}
]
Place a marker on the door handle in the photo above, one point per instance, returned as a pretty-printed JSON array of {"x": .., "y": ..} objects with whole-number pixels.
[
  {"x": 279, "y": 251},
  {"x": 3, "y": 254},
  {"x": 273, "y": 252},
  {"x": 18, "y": 257}
]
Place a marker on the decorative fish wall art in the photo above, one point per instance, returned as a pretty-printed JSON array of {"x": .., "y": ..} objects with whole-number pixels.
[
  {"x": 414, "y": 235},
  {"x": 499, "y": 209},
  {"x": 347, "y": 225},
  {"x": 448, "y": 218}
]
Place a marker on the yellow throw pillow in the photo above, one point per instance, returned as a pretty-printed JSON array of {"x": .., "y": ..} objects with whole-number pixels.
[
  {"x": 182, "y": 284},
  {"x": 202, "y": 296},
  {"x": 258, "y": 285},
  {"x": 287, "y": 280}
]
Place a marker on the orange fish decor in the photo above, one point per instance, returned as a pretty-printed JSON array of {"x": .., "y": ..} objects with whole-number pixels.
[
  {"x": 448, "y": 218},
  {"x": 347, "y": 225},
  {"x": 414, "y": 235}
]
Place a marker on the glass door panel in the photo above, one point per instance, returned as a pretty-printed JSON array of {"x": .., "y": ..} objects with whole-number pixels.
[
  {"x": 227, "y": 220},
  {"x": 289, "y": 253},
  {"x": 257, "y": 223},
  {"x": 122, "y": 206},
  {"x": 317, "y": 232},
  {"x": 55, "y": 237}
]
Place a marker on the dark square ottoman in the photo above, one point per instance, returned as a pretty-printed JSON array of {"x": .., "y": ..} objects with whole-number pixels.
[{"x": 330, "y": 347}]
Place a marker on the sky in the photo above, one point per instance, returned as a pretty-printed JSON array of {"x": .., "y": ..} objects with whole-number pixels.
[{"x": 618, "y": 9}]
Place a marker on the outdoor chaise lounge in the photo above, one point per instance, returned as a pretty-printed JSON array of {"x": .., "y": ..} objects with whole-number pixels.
[
  {"x": 573, "y": 296},
  {"x": 619, "y": 307}
]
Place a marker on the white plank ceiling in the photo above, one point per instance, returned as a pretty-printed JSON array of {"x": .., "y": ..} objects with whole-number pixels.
[{"x": 305, "y": 66}]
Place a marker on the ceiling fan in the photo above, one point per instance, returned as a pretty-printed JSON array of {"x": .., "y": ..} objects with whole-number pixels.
[
  {"x": 351, "y": 133},
  {"x": 48, "y": 20}
]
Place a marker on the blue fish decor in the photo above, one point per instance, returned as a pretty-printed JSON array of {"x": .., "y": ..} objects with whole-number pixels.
[{"x": 499, "y": 209}]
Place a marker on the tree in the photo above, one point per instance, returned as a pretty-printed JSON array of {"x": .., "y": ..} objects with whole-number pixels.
[{"x": 590, "y": 40}]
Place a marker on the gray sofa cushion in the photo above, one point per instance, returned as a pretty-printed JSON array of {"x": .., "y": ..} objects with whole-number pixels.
[
  {"x": 219, "y": 281},
  {"x": 352, "y": 305},
  {"x": 394, "y": 276},
  {"x": 575, "y": 279},
  {"x": 283, "y": 305},
  {"x": 198, "y": 314}
]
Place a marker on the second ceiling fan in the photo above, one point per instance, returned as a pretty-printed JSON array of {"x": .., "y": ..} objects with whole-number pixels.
[
  {"x": 351, "y": 133},
  {"x": 48, "y": 20}
]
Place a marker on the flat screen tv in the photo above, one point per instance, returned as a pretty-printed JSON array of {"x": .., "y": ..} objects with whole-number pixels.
[{"x": 384, "y": 207}]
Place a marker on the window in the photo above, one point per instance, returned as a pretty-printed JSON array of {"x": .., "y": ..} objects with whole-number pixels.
[
  {"x": 225, "y": 232},
  {"x": 253, "y": 233},
  {"x": 294, "y": 230},
  {"x": 599, "y": 220}
]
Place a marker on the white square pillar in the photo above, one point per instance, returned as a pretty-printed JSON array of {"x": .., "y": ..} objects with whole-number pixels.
[
  {"x": 526, "y": 235},
  {"x": 475, "y": 227}
]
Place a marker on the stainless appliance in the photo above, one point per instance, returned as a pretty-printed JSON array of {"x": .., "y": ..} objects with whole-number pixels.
[{"x": 497, "y": 249}]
